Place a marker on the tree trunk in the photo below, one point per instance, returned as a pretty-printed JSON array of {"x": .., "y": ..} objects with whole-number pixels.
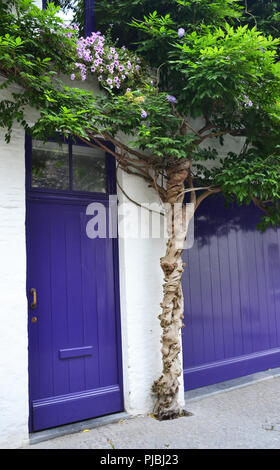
[{"x": 166, "y": 387}]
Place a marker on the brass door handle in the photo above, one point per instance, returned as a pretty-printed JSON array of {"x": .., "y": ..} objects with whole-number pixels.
[{"x": 33, "y": 304}]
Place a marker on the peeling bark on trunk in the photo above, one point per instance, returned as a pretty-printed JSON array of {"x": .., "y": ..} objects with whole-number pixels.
[{"x": 166, "y": 387}]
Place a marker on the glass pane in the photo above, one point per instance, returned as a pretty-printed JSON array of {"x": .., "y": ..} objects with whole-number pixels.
[
  {"x": 89, "y": 169},
  {"x": 50, "y": 165}
]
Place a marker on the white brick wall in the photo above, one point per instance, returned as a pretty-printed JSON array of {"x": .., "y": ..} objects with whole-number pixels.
[{"x": 13, "y": 306}]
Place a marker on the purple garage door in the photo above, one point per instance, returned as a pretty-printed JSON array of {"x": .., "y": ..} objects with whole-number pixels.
[
  {"x": 74, "y": 329},
  {"x": 232, "y": 296}
]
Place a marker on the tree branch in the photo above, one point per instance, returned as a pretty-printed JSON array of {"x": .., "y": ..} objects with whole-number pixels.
[
  {"x": 259, "y": 204},
  {"x": 126, "y": 162},
  {"x": 192, "y": 189},
  {"x": 132, "y": 200},
  {"x": 184, "y": 121},
  {"x": 207, "y": 193}
]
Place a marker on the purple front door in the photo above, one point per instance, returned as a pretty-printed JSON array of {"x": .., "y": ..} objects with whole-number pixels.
[
  {"x": 72, "y": 288},
  {"x": 231, "y": 287}
]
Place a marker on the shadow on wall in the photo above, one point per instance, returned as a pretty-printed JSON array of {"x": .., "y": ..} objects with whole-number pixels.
[
  {"x": 274, "y": 269},
  {"x": 215, "y": 217}
]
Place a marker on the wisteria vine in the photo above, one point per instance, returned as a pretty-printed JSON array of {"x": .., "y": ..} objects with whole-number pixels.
[{"x": 114, "y": 66}]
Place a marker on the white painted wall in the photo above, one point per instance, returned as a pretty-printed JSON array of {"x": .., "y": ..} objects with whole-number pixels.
[
  {"x": 141, "y": 281},
  {"x": 13, "y": 305}
]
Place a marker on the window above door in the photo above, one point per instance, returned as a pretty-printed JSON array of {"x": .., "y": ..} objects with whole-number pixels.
[
  {"x": 50, "y": 166},
  {"x": 68, "y": 166}
]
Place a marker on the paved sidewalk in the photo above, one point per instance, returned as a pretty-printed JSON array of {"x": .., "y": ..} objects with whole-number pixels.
[{"x": 243, "y": 418}]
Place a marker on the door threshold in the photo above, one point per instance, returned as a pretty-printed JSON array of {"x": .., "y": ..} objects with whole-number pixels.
[
  {"x": 228, "y": 385},
  {"x": 80, "y": 426}
]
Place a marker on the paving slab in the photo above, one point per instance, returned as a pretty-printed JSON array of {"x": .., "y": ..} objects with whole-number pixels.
[{"x": 246, "y": 417}]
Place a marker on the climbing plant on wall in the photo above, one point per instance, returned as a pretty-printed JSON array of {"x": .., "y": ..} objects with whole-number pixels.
[
  {"x": 200, "y": 74},
  {"x": 117, "y": 14}
]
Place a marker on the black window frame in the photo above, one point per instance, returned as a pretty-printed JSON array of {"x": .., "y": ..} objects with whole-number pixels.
[{"x": 110, "y": 168}]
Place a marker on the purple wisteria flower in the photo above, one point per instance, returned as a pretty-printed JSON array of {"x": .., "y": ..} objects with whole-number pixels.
[
  {"x": 248, "y": 102},
  {"x": 96, "y": 56},
  {"x": 181, "y": 32},
  {"x": 82, "y": 68},
  {"x": 143, "y": 114},
  {"x": 171, "y": 99},
  {"x": 72, "y": 76}
]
